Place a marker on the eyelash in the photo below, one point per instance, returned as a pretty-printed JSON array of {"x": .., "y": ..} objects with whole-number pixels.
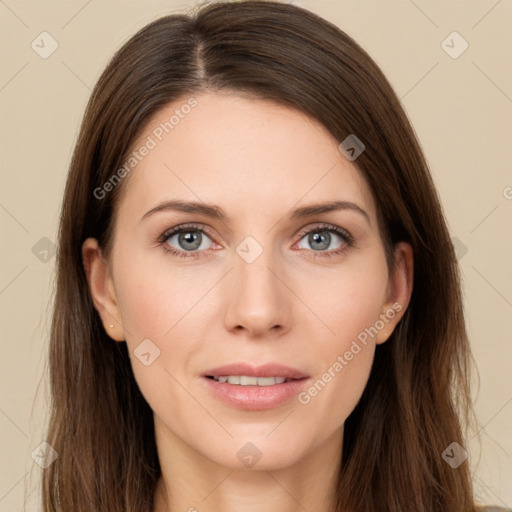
[{"x": 343, "y": 234}]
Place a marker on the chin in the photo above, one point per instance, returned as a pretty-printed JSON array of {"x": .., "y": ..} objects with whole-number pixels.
[{"x": 258, "y": 451}]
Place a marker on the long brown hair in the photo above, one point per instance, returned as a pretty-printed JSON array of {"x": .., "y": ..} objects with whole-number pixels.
[{"x": 417, "y": 400}]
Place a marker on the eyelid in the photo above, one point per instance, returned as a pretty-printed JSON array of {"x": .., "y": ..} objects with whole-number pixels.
[
  {"x": 327, "y": 227},
  {"x": 183, "y": 227}
]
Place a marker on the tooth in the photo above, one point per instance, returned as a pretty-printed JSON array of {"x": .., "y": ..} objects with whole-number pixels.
[
  {"x": 266, "y": 381},
  {"x": 248, "y": 381},
  {"x": 245, "y": 380}
]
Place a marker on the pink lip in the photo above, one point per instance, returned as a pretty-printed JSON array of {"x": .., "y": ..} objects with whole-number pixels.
[{"x": 256, "y": 398}]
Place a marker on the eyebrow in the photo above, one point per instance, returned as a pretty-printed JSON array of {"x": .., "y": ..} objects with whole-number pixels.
[{"x": 216, "y": 212}]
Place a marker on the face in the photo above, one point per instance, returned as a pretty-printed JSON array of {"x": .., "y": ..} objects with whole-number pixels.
[{"x": 284, "y": 291}]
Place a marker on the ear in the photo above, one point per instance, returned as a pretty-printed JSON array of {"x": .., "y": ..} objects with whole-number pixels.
[
  {"x": 398, "y": 292},
  {"x": 101, "y": 288}
]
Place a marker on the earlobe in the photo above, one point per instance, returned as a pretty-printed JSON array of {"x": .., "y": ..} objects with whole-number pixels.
[
  {"x": 399, "y": 290},
  {"x": 101, "y": 288}
]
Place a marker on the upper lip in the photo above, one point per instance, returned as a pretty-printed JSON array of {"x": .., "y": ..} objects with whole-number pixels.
[{"x": 265, "y": 370}]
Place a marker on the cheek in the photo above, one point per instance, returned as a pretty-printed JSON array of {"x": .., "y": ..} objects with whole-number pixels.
[
  {"x": 350, "y": 306},
  {"x": 157, "y": 299},
  {"x": 343, "y": 366},
  {"x": 159, "y": 317},
  {"x": 161, "y": 314},
  {"x": 347, "y": 301}
]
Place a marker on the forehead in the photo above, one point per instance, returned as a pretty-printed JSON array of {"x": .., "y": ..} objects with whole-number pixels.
[{"x": 244, "y": 154}]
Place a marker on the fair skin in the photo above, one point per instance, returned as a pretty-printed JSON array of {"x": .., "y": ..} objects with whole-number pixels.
[{"x": 258, "y": 161}]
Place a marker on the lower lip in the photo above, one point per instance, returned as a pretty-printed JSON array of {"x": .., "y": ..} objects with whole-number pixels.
[{"x": 255, "y": 398}]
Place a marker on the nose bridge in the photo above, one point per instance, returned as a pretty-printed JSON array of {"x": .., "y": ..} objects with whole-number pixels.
[{"x": 256, "y": 298}]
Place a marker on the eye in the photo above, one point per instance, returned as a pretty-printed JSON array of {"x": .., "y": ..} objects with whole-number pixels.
[
  {"x": 188, "y": 238},
  {"x": 321, "y": 237}
]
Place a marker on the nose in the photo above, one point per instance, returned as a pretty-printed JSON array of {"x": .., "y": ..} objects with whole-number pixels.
[{"x": 258, "y": 303}]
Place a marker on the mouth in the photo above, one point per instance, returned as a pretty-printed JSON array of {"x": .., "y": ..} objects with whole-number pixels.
[{"x": 255, "y": 388}]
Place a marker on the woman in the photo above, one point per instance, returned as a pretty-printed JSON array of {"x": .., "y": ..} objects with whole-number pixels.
[{"x": 258, "y": 303}]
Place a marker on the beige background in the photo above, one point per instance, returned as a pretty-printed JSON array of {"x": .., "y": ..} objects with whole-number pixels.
[{"x": 461, "y": 109}]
